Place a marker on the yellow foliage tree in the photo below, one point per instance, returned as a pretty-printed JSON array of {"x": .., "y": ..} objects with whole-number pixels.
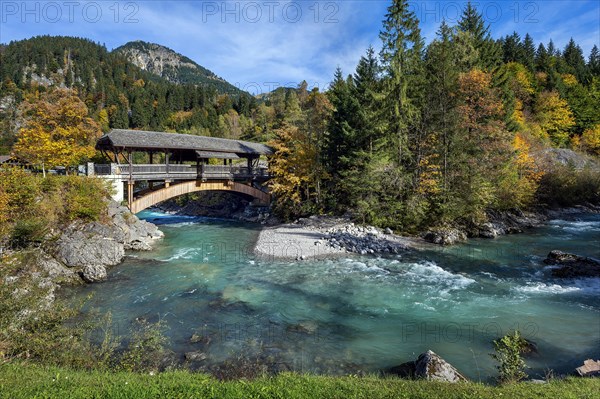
[
  {"x": 4, "y": 211},
  {"x": 56, "y": 130},
  {"x": 554, "y": 116},
  {"x": 292, "y": 167},
  {"x": 591, "y": 140},
  {"x": 528, "y": 172}
]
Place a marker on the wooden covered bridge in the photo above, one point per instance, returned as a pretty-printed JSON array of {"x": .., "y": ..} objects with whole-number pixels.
[{"x": 172, "y": 164}]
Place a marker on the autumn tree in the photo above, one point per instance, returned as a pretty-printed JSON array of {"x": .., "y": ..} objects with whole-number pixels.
[
  {"x": 590, "y": 140},
  {"x": 554, "y": 116},
  {"x": 521, "y": 178},
  {"x": 292, "y": 169},
  {"x": 482, "y": 147},
  {"x": 56, "y": 130}
]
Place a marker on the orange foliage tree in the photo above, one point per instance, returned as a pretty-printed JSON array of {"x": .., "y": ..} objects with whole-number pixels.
[
  {"x": 482, "y": 148},
  {"x": 56, "y": 130}
]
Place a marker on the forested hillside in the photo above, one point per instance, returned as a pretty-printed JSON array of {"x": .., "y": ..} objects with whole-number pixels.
[
  {"x": 417, "y": 135},
  {"x": 422, "y": 135},
  {"x": 117, "y": 93}
]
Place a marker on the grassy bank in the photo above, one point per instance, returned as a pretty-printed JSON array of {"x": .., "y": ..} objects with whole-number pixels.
[{"x": 21, "y": 380}]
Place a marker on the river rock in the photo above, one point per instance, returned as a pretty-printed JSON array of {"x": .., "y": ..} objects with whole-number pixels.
[
  {"x": 572, "y": 266},
  {"x": 53, "y": 268},
  {"x": 89, "y": 248},
  {"x": 78, "y": 250},
  {"x": 429, "y": 366},
  {"x": 128, "y": 229},
  {"x": 93, "y": 273},
  {"x": 195, "y": 356},
  {"x": 445, "y": 236},
  {"x": 590, "y": 368}
]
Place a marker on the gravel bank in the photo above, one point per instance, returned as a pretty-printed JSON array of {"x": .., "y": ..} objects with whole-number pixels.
[{"x": 327, "y": 237}]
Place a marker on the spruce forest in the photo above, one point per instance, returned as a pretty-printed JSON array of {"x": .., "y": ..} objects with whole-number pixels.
[{"x": 417, "y": 135}]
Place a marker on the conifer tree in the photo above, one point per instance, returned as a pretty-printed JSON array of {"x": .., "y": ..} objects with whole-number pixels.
[
  {"x": 594, "y": 61},
  {"x": 528, "y": 52},
  {"x": 490, "y": 51},
  {"x": 401, "y": 57}
]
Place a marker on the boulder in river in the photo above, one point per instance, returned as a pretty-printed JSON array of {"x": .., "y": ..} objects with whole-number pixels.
[
  {"x": 445, "y": 236},
  {"x": 590, "y": 368},
  {"x": 93, "y": 273},
  {"x": 429, "y": 366},
  {"x": 572, "y": 265},
  {"x": 77, "y": 249}
]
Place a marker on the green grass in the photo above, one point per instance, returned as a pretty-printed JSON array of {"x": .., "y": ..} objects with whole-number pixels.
[{"x": 22, "y": 380}]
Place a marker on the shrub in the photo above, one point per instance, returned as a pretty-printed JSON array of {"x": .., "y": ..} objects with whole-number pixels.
[
  {"x": 28, "y": 231},
  {"x": 508, "y": 355},
  {"x": 85, "y": 198},
  {"x": 567, "y": 186},
  {"x": 146, "y": 350}
]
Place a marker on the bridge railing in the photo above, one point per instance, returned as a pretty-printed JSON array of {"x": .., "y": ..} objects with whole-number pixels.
[{"x": 214, "y": 172}]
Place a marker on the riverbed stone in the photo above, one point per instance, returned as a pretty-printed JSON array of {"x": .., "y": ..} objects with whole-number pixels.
[
  {"x": 590, "y": 368},
  {"x": 445, "y": 236},
  {"x": 196, "y": 356},
  {"x": 94, "y": 273},
  {"x": 572, "y": 266},
  {"x": 78, "y": 250},
  {"x": 431, "y": 366}
]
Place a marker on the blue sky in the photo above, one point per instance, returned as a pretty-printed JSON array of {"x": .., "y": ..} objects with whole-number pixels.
[{"x": 259, "y": 45}]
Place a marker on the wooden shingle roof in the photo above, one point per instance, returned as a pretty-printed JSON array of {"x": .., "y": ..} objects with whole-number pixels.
[{"x": 139, "y": 140}]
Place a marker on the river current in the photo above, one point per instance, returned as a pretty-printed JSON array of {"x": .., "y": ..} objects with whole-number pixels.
[{"x": 359, "y": 313}]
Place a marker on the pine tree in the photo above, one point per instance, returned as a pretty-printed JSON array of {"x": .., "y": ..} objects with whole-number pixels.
[
  {"x": 594, "y": 61},
  {"x": 341, "y": 129},
  {"x": 552, "y": 50},
  {"x": 573, "y": 56},
  {"x": 511, "y": 45},
  {"x": 440, "y": 112},
  {"x": 490, "y": 51},
  {"x": 542, "y": 59},
  {"x": 401, "y": 57},
  {"x": 365, "y": 90},
  {"x": 528, "y": 52}
]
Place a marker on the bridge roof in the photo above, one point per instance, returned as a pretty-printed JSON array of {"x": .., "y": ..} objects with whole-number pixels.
[{"x": 139, "y": 140}]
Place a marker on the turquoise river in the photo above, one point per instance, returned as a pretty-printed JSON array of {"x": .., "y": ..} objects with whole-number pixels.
[{"x": 359, "y": 313}]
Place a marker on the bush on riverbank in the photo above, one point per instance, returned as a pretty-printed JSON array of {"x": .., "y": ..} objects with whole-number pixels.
[
  {"x": 36, "y": 326},
  {"x": 52, "y": 382},
  {"x": 31, "y": 206},
  {"x": 565, "y": 186}
]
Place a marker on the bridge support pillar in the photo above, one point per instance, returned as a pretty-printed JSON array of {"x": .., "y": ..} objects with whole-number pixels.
[
  {"x": 167, "y": 183},
  {"x": 130, "y": 193}
]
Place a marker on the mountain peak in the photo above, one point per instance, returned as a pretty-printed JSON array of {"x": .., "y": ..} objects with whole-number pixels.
[{"x": 170, "y": 65}]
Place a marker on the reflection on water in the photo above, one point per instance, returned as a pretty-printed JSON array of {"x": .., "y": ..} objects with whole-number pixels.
[{"x": 359, "y": 313}]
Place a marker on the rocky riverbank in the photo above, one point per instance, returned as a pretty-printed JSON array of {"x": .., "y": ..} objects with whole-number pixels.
[
  {"x": 81, "y": 252},
  {"x": 325, "y": 236},
  {"x": 502, "y": 222}
]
